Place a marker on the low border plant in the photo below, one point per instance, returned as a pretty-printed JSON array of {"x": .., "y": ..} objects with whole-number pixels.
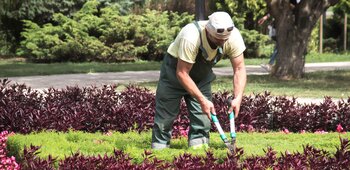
[{"x": 92, "y": 109}]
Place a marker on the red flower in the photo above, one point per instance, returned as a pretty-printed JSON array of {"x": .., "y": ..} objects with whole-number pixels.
[
  {"x": 339, "y": 128},
  {"x": 286, "y": 131}
]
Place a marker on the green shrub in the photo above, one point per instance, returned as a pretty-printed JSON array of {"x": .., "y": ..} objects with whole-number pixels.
[
  {"x": 330, "y": 45},
  {"x": 314, "y": 39},
  {"x": 5, "y": 45},
  {"x": 254, "y": 41},
  {"x": 102, "y": 35}
]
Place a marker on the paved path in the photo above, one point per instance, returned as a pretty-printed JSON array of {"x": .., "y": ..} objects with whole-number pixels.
[{"x": 98, "y": 79}]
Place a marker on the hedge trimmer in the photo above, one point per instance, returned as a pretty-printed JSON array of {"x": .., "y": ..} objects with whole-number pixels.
[{"x": 230, "y": 146}]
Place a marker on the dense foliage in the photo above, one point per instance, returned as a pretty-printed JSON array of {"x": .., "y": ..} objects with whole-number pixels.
[
  {"x": 245, "y": 13},
  {"x": 334, "y": 28},
  {"x": 13, "y": 12},
  {"x": 94, "y": 109},
  {"x": 310, "y": 158},
  {"x": 94, "y": 34}
]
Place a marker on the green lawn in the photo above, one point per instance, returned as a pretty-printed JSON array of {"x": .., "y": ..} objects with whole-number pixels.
[
  {"x": 314, "y": 85},
  {"x": 60, "y": 144},
  {"x": 310, "y": 58},
  {"x": 15, "y": 68}
]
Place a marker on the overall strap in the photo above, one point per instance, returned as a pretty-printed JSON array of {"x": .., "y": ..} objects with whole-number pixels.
[
  {"x": 204, "y": 52},
  {"x": 219, "y": 53}
]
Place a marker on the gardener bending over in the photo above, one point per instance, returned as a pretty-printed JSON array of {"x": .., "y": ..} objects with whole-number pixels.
[{"x": 187, "y": 72}]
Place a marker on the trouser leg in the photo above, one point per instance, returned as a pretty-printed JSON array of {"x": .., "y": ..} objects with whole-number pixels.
[
  {"x": 167, "y": 108},
  {"x": 273, "y": 56},
  {"x": 168, "y": 97},
  {"x": 199, "y": 122}
]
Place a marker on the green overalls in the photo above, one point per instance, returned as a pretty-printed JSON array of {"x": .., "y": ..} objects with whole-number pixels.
[{"x": 170, "y": 92}]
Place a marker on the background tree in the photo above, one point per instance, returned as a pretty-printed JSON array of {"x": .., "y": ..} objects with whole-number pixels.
[
  {"x": 245, "y": 14},
  {"x": 341, "y": 13},
  {"x": 294, "y": 25}
]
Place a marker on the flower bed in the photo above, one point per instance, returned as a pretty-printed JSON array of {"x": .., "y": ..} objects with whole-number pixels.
[
  {"x": 92, "y": 109},
  {"x": 8, "y": 163}
]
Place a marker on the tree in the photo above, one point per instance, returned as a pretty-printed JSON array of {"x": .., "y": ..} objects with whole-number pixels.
[
  {"x": 294, "y": 24},
  {"x": 244, "y": 12},
  {"x": 343, "y": 9},
  {"x": 200, "y": 10}
]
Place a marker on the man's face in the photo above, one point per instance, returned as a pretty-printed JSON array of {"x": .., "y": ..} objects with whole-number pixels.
[{"x": 217, "y": 41}]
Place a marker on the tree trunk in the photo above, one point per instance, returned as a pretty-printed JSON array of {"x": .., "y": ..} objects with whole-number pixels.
[
  {"x": 294, "y": 25},
  {"x": 345, "y": 30},
  {"x": 200, "y": 10}
]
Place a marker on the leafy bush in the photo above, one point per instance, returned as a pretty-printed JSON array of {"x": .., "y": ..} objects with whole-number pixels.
[
  {"x": 12, "y": 13},
  {"x": 104, "y": 34},
  {"x": 254, "y": 40},
  {"x": 5, "y": 43},
  {"x": 89, "y": 109}
]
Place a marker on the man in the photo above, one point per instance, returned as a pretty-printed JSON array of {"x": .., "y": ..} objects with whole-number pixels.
[
  {"x": 187, "y": 72},
  {"x": 272, "y": 34}
]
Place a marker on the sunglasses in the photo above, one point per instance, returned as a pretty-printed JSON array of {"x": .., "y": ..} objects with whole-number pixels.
[{"x": 222, "y": 30}]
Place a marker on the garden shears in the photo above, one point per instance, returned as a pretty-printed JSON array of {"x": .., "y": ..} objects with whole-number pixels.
[{"x": 230, "y": 146}]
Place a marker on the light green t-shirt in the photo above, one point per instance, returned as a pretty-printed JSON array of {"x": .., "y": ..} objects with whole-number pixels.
[{"x": 187, "y": 42}]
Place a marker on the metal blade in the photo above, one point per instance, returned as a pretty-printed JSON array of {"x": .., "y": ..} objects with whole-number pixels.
[
  {"x": 230, "y": 147},
  {"x": 233, "y": 143}
]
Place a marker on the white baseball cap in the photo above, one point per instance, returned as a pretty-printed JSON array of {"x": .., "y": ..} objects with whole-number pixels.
[{"x": 220, "y": 25}]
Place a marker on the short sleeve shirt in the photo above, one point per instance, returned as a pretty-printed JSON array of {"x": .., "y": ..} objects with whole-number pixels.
[{"x": 186, "y": 44}]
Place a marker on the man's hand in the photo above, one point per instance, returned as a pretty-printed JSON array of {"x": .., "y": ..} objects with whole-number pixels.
[
  {"x": 235, "y": 106},
  {"x": 208, "y": 107},
  {"x": 182, "y": 73}
]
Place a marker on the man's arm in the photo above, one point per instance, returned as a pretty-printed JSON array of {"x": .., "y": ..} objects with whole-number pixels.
[
  {"x": 182, "y": 72},
  {"x": 239, "y": 82}
]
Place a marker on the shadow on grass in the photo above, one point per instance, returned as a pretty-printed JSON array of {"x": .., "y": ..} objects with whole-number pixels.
[
  {"x": 317, "y": 81},
  {"x": 314, "y": 85}
]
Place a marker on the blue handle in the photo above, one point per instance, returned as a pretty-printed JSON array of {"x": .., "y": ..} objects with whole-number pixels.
[
  {"x": 232, "y": 125},
  {"x": 218, "y": 127},
  {"x": 214, "y": 118}
]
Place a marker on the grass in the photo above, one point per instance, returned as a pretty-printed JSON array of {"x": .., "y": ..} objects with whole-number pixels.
[
  {"x": 313, "y": 85},
  {"x": 15, "y": 67},
  {"x": 310, "y": 58},
  {"x": 61, "y": 145}
]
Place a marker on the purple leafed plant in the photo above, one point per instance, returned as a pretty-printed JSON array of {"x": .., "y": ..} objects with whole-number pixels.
[{"x": 92, "y": 109}]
